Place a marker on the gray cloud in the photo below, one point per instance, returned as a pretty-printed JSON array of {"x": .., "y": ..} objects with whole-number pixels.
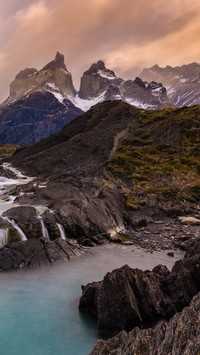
[{"x": 127, "y": 34}]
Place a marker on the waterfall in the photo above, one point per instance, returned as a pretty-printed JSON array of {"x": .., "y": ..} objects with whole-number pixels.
[
  {"x": 62, "y": 231},
  {"x": 45, "y": 232},
  {"x": 17, "y": 228},
  {"x": 3, "y": 237}
]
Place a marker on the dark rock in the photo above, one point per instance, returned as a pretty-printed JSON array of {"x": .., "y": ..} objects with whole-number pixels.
[
  {"x": 180, "y": 336},
  {"x": 130, "y": 297},
  {"x": 32, "y": 118},
  {"x": 35, "y": 253},
  {"x": 170, "y": 254}
]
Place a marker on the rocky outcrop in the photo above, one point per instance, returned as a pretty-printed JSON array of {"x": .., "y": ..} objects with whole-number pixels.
[
  {"x": 130, "y": 297},
  {"x": 35, "y": 253},
  {"x": 181, "y": 336}
]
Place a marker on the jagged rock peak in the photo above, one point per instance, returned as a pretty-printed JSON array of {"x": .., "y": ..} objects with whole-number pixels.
[
  {"x": 23, "y": 74},
  {"x": 139, "y": 82},
  {"x": 58, "y": 62},
  {"x": 97, "y": 68}
]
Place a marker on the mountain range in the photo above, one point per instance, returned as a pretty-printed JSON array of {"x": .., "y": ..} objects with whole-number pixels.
[{"x": 42, "y": 102}]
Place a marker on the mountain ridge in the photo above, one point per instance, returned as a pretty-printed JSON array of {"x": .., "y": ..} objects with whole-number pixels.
[{"x": 27, "y": 115}]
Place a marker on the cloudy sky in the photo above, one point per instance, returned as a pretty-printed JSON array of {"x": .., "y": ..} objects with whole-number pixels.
[{"x": 127, "y": 34}]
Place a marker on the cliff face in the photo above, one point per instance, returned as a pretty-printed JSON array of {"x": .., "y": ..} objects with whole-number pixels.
[{"x": 96, "y": 80}]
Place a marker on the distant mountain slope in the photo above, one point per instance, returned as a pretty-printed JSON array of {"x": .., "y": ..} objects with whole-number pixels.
[
  {"x": 182, "y": 83},
  {"x": 34, "y": 117}
]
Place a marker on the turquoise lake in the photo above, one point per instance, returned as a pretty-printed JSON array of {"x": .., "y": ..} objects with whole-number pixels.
[{"x": 39, "y": 308}]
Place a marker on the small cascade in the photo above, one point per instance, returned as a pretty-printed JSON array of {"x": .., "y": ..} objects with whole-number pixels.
[
  {"x": 3, "y": 237},
  {"x": 45, "y": 232},
  {"x": 62, "y": 231},
  {"x": 17, "y": 228}
]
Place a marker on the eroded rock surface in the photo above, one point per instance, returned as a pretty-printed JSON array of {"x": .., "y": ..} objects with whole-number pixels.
[
  {"x": 130, "y": 297},
  {"x": 35, "y": 253},
  {"x": 181, "y": 336}
]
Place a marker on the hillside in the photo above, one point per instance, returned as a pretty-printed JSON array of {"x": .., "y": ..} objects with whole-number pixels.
[{"x": 115, "y": 165}]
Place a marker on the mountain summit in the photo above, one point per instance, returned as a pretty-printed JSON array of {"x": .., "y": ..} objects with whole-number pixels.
[
  {"x": 58, "y": 62},
  {"x": 53, "y": 77},
  {"x": 42, "y": 101},
  {"x": 96, "y": 80}
]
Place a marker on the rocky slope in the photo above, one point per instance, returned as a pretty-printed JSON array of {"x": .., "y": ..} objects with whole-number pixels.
[
  {"x": 115, "y": 173},
  {"x": 181, "y": 336},
  {"x": 182, "y": 83},
  {"x": 145, "y": 167},
  {"x": 131, "y": 297},
  {"x": 34, "y": 117}
]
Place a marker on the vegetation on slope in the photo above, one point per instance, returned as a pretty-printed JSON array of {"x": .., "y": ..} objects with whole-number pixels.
[
  {"x": 7, "y": 150},
  {"x": 161, "y": 158}
]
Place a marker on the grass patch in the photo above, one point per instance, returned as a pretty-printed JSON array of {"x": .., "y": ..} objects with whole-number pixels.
[
  {"x": 161, "y": 158},
  {"x": 7, "y": 150}
]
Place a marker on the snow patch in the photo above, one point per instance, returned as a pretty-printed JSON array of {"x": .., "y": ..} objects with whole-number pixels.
[
  {"x": 53, "y": 89},
  {"x": 106, "y": 74},
  {"x": 84, "y": 104},
  {"x": 138, "y": 104}
]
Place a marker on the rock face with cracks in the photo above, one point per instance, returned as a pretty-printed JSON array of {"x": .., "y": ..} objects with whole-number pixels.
[
  {"x": 131, "y": 297},
  {"x": 181, "y": 336},
  {"x": 35, "y": 253}
]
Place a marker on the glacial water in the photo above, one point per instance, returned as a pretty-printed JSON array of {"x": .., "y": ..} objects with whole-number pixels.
[{"x": 39, "y": 308}]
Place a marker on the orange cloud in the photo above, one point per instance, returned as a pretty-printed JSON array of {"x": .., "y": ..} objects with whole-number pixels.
[{"x": 127, "y": 34}]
